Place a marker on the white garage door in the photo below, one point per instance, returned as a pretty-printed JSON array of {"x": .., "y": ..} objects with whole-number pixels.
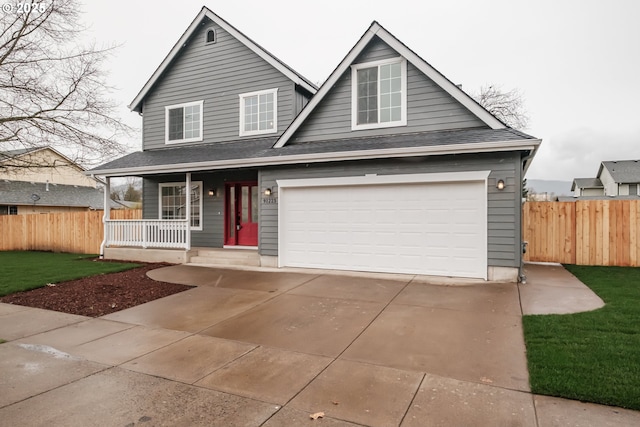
[{"x": 366, "y": 224}]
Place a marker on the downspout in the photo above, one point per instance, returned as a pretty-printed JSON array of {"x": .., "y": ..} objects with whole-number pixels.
[
  {"x": 522, "y": 278},
  {"x": 107, "y": 213},
  {"x": 188, "y": 209}
]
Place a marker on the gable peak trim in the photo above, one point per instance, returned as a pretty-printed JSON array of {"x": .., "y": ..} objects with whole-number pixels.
[
  {"x": 271, "y": 59},
  {"x": 375, "y": 29}
]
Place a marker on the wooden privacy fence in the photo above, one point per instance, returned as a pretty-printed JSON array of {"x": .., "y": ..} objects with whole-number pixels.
[
  {"x": 75, "y": 232},
  {"x": 585, "y": 232}
]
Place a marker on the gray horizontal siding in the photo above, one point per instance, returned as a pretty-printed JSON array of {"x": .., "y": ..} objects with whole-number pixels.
[
  {"x": 216, "y": 73},
  {"x": 212, "y": 233},
  {"x": 503, "y": 206},
  {"x": 429, "y": 107}
]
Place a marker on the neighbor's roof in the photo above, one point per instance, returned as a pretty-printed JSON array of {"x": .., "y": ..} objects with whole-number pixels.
[
  {"x": 293, "y": 75},
  {"x": 586, "y": 183},
  {"x": 601, "y": 197},
  {"x": 378, "y": 30},
  {"x": 20, "y": 193},
  {"x": 260, "y": 152},
  {"x": 622, "y": 171},
  {"x": 18, "y": 153}
]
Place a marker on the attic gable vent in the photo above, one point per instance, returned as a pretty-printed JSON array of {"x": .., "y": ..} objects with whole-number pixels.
[{"x": 210, "y": 36}]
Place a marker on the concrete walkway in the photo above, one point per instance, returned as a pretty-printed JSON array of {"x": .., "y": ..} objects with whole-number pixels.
[{"x": 255, "y": 348}]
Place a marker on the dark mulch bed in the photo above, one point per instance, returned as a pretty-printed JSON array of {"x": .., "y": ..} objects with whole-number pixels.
[{"x": 98, "y": 295}]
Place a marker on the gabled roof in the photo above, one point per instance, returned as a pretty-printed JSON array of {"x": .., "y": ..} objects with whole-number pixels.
[
  {"x": 377, "y": 30},
  {"x": 18, "y": 153},
  {"x": 256, "y": 48},
  {"x": 20, "y": 193},
  {"x": 586, "y": 183},
  {"x": 622, "y": 171}
]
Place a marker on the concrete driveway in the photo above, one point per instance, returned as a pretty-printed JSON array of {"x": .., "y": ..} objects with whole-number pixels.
[{"x": 255, "y": 348}]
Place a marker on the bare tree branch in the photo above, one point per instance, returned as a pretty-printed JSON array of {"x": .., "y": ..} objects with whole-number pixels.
[
  {"x": 506, "y": 106},
  {"x": 53, "y": 90}
]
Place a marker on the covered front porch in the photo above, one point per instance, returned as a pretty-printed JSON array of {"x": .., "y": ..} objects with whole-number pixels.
[{"x": 185, "y": 214}]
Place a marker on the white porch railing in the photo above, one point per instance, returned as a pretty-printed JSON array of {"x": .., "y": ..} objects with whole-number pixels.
[{"x": 148, "y": 233}]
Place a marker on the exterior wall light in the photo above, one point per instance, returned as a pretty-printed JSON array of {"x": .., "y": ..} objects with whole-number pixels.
[
  {"x": 267, "y": 192},
  {"x": 500, "y": 184},
  {"x": 212, "y": 192}
]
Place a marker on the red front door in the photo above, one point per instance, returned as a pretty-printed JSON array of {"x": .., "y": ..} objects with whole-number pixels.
[{"x": 241, "y": 215}]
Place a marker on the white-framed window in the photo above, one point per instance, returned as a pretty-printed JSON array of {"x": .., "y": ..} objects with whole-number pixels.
[
  {"x": 379, "y": 94},
  {"x": 633, "y": 189},
  {"x": 259, "y": 112},
  {"x": 172, "y": 203},
  {"x": 183, "y": 122},
  {"x": 210, "y": 35}
]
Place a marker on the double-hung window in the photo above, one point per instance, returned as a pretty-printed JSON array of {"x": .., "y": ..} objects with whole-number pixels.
[
  {"x": 379, "y": 94},
  {"x": 173, "y": 202},
  {"x": 183, "y": 122},
  {"x": 259, "y": 112}
]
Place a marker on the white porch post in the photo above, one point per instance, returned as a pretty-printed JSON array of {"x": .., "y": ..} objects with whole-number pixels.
[
  {"x": 107, "y": 214},
  {"x": 188, "y": 209}
]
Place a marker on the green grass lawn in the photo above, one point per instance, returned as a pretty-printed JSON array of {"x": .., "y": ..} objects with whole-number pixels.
[
  {"x": 593, "y": 356},
  {"x": 21, "y": 271}
]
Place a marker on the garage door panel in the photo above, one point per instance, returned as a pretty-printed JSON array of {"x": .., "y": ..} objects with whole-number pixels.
[{"x": 426, "y": 228}]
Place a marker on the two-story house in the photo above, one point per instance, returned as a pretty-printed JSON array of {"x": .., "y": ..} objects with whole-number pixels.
[
  {"x": 388, "y": 167},
  {"x": 617, "y": 178}
]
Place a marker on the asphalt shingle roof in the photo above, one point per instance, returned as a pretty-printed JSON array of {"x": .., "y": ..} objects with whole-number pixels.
[
  {"x": 262, "y": 148},
  {"x": 587, "y": 183},
  {"x": 20, "y": 193},
  {"x": 624, "y": 171}
]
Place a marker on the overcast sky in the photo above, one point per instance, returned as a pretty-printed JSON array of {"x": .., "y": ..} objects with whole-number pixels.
[{"x": 577, "y": 62}]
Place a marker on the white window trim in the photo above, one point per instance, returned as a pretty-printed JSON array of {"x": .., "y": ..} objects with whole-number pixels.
[
  {"x": 206, "y": 34},
  {"x": 166, "y": 122},
  {"x": 182, "y": 183},
  {"x": 242, "y": 97},
  {"x": 354, "y": 94}
]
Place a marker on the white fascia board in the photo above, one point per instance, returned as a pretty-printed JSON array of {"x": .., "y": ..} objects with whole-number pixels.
[
  {"x": 441, "y": 80},
  {"x": 235, "y": 33},
  {"x": 260, "y": 52},
  {"x": 385, "y": 179},
  {"x": 424, "y": 67},
  {"x": 528, "y": 144},
  {"x": 167, "y": 60},
  {"x": 327, "y": 85}
]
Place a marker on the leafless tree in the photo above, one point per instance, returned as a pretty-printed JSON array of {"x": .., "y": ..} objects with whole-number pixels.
[
  {"x": 508, "y": 106},
  {"x": 53, "y": 89}
]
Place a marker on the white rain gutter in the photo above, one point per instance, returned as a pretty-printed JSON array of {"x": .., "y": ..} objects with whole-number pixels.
[{"x": 484, "y": 147}]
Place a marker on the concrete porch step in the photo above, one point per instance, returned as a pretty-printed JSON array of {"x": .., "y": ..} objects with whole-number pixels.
[{"x": 239, "y": 257}]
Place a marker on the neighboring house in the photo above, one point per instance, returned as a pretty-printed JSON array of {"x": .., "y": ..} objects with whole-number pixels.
[
  {"x": 587, "y": 187},
  {"x": 388, "y": 167},
  {"x": 43, "y": 180},
  {"x": 42, "y": 164},
  {"x": 619, "y": 178},
  {"x": 23, "y": 197}
]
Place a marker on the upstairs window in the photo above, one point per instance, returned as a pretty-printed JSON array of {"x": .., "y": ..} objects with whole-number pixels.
[
  {"x": 259, "y": 112},
  {"x": 210, "y": 36},
  {"x": 183, "y": 122},
  {"x": 379, "y": 94}
]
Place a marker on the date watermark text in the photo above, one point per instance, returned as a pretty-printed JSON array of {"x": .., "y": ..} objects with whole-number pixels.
[{"x": 24, "y": 7}]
